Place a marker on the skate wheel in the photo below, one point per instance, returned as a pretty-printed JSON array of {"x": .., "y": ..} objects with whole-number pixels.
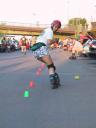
[
  {"x": 72, "y": 57},
  {"x": 54, "y": 86}
]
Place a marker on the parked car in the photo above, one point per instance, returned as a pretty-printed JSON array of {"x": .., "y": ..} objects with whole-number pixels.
[
  {"x": 89, "y": 48},
  {"x": 92, "y": 47}
]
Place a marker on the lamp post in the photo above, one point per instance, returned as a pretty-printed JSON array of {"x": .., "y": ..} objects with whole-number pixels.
[
  {"x": 68, "y": 9},
  {"x": 95, "y": 13},
  {"x": 36, "y": 22}
]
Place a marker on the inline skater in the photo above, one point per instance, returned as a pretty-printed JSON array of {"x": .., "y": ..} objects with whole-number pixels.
[{"x": 40, "y": 51}]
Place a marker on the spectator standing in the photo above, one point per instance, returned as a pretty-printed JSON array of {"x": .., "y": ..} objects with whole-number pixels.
[{"x": 23, "y": 45}]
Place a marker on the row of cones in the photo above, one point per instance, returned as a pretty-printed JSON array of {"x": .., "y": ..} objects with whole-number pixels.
[
  {"x": 32, "y": 83},
  {"x": 38, "y": 73}
]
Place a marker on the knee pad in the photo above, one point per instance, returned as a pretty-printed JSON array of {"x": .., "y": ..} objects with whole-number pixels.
[{"x": 51, "y": 66}]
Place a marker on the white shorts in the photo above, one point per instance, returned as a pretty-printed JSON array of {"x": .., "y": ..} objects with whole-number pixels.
[{"x": 42, "y": 51}]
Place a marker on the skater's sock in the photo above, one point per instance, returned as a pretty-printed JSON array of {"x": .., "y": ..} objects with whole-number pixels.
[{"x": 51, "y": 71}]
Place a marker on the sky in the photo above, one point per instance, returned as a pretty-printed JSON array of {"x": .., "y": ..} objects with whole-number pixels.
[{"x": 45, "y": 11}]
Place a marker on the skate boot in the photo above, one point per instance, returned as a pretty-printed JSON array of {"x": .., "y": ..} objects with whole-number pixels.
[
  {"x": 72, "y": 57},
  {"x": 57, "y": 79},
  {"x": 53, "y": 81}
]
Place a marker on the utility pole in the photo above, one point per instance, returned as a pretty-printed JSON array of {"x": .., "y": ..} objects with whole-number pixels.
[
  {"x": 68, "y": 10},
  {"x": 95, "y": 13}
]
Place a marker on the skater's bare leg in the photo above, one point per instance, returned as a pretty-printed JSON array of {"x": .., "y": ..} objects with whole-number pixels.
[
  {"x": 54, "y": 78},
  {"x": 48, "y": 61}
]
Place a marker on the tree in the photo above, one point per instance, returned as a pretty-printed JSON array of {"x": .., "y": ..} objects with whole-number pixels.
[
  {"x": 77, "y": 21},
  {"x": 80, "y": 24}
]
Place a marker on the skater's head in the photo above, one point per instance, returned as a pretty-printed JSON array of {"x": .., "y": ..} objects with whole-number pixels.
[{"x": 55, "y": 25}]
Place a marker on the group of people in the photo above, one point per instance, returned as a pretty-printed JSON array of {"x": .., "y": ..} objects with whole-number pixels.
[{"x": 25, "y": 43}]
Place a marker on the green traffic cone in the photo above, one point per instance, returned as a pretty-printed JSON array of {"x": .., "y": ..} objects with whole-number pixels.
[
  {"x": 26, "y": 93},
  {"x": 77, "y": 77}
]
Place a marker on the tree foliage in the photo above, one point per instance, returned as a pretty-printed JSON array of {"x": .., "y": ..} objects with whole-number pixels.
[{"x": 77, "y": 21}]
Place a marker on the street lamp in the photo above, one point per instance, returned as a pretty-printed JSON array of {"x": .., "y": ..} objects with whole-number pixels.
[
  {"x": 95, "y": 13},
  {"x": 36, "y": 22},
  {"x": 68, "y": 9}
]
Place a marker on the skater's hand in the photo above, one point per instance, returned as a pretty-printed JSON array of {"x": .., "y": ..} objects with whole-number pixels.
[{"x": 51, "y": 41}]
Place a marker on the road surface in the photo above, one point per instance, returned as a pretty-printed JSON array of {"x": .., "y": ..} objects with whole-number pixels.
[{"x": 73, "y": 105}]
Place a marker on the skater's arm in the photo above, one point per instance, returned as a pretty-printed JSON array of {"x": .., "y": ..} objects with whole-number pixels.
[{"x": 51, "y": 41}]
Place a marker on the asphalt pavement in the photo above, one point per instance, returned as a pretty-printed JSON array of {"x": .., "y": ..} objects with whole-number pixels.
[{"x": 73, "y": 105}]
